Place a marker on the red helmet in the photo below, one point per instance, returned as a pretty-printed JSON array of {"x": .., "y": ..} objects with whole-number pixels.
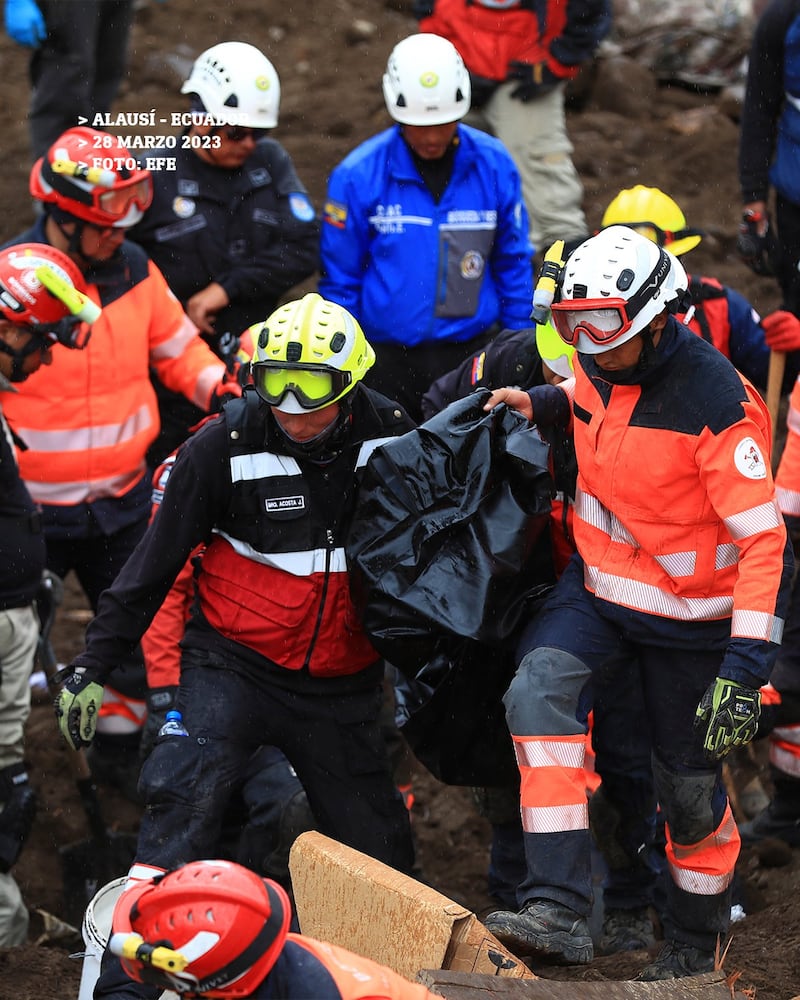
[
  {"x": 40, "y": 288},
  {"x": 210, "y": 928},
  {"x": 91, "y": 175}
]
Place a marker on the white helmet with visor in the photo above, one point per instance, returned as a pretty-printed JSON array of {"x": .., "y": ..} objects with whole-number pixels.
[{"x": 612, "y": 286}]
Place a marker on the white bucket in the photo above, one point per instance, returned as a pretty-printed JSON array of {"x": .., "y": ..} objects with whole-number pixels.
[{"x": 96, "y": 929}]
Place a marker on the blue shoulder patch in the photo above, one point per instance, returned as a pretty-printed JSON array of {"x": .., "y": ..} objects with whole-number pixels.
[{"x": 301, "y": 206}]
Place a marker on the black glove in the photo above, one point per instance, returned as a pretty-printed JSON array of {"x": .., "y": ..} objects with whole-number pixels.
[
  {"x": 728, "y": 716},
  {"x": 535, "y": 80},
  {"x": 77, "y": 706},
  {"x": 159, "y": 701},
  {"x": 753, "y": 246}
]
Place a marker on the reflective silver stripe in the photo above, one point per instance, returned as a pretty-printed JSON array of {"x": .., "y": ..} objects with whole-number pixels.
[
  {"x": 793, "y": 420},
  {"x": 206, "y": 382},
  {"x": 747, "y": 523},
  {"x": 756, "y": 625},
  {"x": 727, "y": 555},
  {"x": 175, "y": 345},
  {"x": 260, "y": 465},
  {"x": 367, "y": 448},
  {"x": 794, "y": 101},
  {"x": 784, "y": 760},
  {"x": 383, "y": 222},
  {"x": 82, "y": 491},
  {"x": 87, "y": 438},
  {"x": 499, "y": 4},
  {"x": 787, "y": 734},
  {"x": 700, "y": 883},
  {"x": 678, "y": 563},
  {"x": 788, "y": 500},
  {"x": 555, "y": 819},
  {"x": 646, "y": 597},
  {"x": 302, "y": 563},
  {"x": 550, "y": 752},
  {"x": 589, "y": 509}
]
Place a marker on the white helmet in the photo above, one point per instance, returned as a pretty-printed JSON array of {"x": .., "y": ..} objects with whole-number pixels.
[
  {"x": 237, "y": 84},
  {"x": 426, "y": 82},
  {"x": 612, "y": 286}
]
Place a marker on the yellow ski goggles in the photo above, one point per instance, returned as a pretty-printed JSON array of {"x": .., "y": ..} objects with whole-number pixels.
[{"x": 313, "y": 386}]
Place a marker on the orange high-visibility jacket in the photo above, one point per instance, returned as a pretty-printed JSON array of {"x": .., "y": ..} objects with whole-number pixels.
[
  {"x": 675, "y": 514},
  {"x": 787, "y": 478},
  {"x": 89, "y": 418}
]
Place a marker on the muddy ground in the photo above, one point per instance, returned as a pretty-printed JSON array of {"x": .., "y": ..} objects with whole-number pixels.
[{"x": 627, "y": 129}]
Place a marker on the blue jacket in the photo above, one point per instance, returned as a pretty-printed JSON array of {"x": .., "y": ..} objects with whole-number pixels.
[{"x": 412, "y": 270}]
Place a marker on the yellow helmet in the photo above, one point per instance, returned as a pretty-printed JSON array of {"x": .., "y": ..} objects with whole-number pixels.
[
  {"x": 655, "y": 215},
  {"x": 553, "y": 351},
  {"x": 309, "y": 353}
]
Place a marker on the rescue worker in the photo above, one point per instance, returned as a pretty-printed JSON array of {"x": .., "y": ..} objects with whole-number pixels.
[
  {"x": 682, "y": 564},
  {"x": 719, "y": 313},
  {"x": 78, "y": 59},
  {"x": 88, "y": 425},
  {"x": 520, "y": 55},
  {"x": 426, "y": 221},
  {"x": 273, "y": 652},
  {"x": 768, "y": 150},
  {"x": 249, "y": 952},
  {"x": 781, "y": 716},
  {"x": 230, "y": 226},
  {"x": 271, "y": 809},
  {"x": 41, "y": 305}
]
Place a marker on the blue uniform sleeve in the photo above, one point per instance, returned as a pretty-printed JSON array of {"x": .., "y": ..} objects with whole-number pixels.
[
  {"x": 511, "y": 261},
  {"x": 749, "y": 350},
  {"x": 344, "y": 242}
]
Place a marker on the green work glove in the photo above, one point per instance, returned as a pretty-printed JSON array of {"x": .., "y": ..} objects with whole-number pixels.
[
  {"x": 77, "y": 706},
  {"x": 728, "y": 713}
]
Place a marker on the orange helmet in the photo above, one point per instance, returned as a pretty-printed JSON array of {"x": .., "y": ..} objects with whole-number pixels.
[
  {"x": 210, "y": 928},
  {"x": 91, "y": 175},
  {"x": 41, "y": 289}
]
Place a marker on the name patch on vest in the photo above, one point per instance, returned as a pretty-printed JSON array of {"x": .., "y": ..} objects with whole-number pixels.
[{"x": 285, "y": 503}]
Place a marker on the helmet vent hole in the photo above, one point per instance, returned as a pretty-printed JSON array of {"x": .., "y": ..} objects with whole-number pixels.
[
  {"x": 338, "y": 340},
  {"x": 232, "y": 101},
  {"x": 401, "y": 101},
  {"x": 294, "y": 351},
  {"x": 625, "y": 279},
  {"x": 579, "y": 291},
  {"x": 263, "y": 337}
]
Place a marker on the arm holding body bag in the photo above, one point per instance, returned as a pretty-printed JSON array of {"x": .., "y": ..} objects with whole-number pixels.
[{"x": 449, "y": 554}]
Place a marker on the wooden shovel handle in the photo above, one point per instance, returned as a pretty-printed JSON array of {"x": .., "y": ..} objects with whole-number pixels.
[{"x": 777, "y": 366}]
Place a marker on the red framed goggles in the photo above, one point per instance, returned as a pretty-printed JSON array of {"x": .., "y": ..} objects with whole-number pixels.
[
  {"x": 117, "y": 201},
  {"x": 602, "y": 320}
]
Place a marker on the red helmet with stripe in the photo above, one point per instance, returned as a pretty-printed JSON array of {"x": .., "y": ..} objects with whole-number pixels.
[
  {"x": 210, "y": 928},
  {"x": 91, "y": 175}
]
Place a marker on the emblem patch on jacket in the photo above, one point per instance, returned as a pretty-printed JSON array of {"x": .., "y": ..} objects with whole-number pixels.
[{"x": 748, "y": 459}]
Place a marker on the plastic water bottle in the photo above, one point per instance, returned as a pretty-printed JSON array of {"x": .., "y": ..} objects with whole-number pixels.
[{"x": 174, "y": 725}]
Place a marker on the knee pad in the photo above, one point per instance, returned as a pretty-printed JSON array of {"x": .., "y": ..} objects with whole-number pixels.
[
  {"x": 687, "y": 801},
  {"x": 544, "y": 696},
  {"x": 17, "y": 813}
]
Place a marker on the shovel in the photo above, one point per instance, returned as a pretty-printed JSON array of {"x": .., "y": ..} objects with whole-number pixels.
[{"x": 86, "y": 865}]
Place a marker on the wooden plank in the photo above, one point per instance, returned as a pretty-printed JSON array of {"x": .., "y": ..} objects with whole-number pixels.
[
  {"x": 351, "y": 900},
  {"x": 461, "y": 986}
]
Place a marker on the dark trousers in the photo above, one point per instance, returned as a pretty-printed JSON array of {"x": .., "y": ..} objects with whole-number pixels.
[
  {"x": 79, "y": 67},
  {"x": 334, "y": 743}
]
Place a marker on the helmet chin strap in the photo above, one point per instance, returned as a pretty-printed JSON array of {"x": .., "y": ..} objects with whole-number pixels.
[
  {"x": 18, "y": 357},
  {"x": 75, "y": 238}
]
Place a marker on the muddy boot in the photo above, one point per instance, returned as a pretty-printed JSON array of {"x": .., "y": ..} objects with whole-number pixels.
[
  {"x": 626, "y": 930},
  {"x": 546, "y": 929},
  {"x": 677, "y": 961},
  {"x": 781, "y": 818}
]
